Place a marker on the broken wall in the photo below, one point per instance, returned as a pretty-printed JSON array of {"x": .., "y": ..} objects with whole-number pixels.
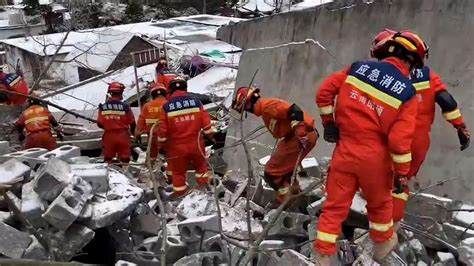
[{"x": 292, "y": 71}]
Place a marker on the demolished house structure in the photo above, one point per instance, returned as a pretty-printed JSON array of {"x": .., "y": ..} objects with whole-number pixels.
[{"x": 68, "y": 205}]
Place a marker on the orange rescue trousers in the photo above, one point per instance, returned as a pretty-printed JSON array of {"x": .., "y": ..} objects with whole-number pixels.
[
  {"x": 116, "y": 143},
  {"x": 419, "y": 149},
  {"x": 40, "y": 139},
  {"x": 179, "y": 157},
  {"x": 351, "y": 168},
  {"x": 279, "y": 169}
]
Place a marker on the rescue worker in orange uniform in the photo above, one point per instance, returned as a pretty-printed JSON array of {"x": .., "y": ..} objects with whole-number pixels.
[
  {"x": 373, "y": 124},
  {"x": 430, "y": 90},
  {"x": 183, "y": 122},
  {"x": 117, "y": 120},
  {"x": 150, "y": 115},
  {"x": 36, "y": 121},
  {"x": 285, "y": 121},
  {"x": 12, "y": 82},
  {"x": 164, "y": 74}
]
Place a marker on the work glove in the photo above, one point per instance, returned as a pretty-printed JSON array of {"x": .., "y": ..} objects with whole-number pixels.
[
  {"x": 300, "y": 132},
  {"x": 331, "y": 133},
  {"x": 21, "y": 137},
  {"x": 399, "y": 183},
  {"x": 464, "y": 136}
]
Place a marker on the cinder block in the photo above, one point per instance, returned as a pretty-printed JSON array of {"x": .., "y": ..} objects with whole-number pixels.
[
  {"x": 52, "y": 178},
  {"x": 206, "y": 258},
  {"x": 13, "y": 242},
  {"x": 96, "y": 174},
  {"x": 65, "y": 209},
  {"x": 289, "y": 223},
  {"x": 74, "y": 239},
  {"x": 28, "y": 156},
  {"x": 193, "y": 230},
  {"x": 311, "y": 166},
  {"x": 175, "y": 248},
  {"x": 31, "y": 205},
  {"x": 13, "y": 171},
  {"x": 64, "y": 153},
  {"x": 315, "y": 207},
  {"x": 82, "y": 187},
  {"x": 289, "y": 257},
  {"x": 216, "y": 244}
]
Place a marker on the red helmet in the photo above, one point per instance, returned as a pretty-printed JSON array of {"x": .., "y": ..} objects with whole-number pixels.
[
  {"x": 379, "y": 40},
  {"x": 116, "y": 87},
  {"x": 178, "y": 83},
  {"x": 407, "y": 44},
  {"x": 242, "y": 100},
  {"x": 157, "y": 87}
]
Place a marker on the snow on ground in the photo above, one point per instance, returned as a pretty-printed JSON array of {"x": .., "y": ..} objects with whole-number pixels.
[
  {"x": 208, "y": 46},
  {"x": 210, "y": 19},
  {"x": 465, "y": 217},
  {"x": 264, "y": 6},
  {"x": 94, "y": 93},
  {"x": 219, "y": 81},
  {"x": 309, "y": 3}
]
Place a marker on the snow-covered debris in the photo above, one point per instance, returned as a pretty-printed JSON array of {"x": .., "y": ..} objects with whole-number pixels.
[
  {"x": 13, "y": 242},
  {"x": 466, "y": 251},
  {"x": 464, "y": 218},
  {"x": 13, "y": 171},
  {"x": 196, "y": 204},
  {"x": 119, "y": 201},
  {"x": 52, "y": 178},
  {"x": 31, "y": 205},
  {"x": 446, "y": 258},
  {"x": 96, "y": 174}
]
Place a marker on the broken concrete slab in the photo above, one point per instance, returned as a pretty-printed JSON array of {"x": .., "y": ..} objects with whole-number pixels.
[
  {"x": 241, "y": 204},
  {"x": 217, "y": 244},
  {"x": 446, "y": 258},
  {"x": 268, "y": 245},
  {"x": 289, "y": 223},
  {"x": 32, "y": 207},
  {"x": 217, "y": 188},
  {"x": 455, "y": 234},
  {"x": 143, "y": 221},
  {"x": 289, "y": 257},
  {"x": 64, "y": 153},
  {"x": 65, "y": 209},
  {"x": 198, "y": 229},
  {"x": 121, "y": 235},
  {"x": 79, "y": 160},
  {"x": 420, "y": 250},
  {"x": 315, "y": 207},
  {"x": 52, "y": 178},
  {"x": 430, "y": 206},
  {"x": 234, "y": 222},
  {"x": 121, "y": 199},
  {"x": 238, "y": 192},
  {"x": 464, "y": 218},
  {"x": 466, "y": 251},
  {"x": 13, "y": 171},
  {"x": 205, "y": 258},
  {"x": 73, "y": 240},
  {"x": 13, "y": 243},
  {"x": 196, "y": 204},
  {"x": 96, "y": 174},
  {"x": 35, "y": 251}
]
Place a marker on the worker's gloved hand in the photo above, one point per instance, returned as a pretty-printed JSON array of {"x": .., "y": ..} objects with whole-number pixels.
[
  {"x": 331, "y": 133},
  {"x": 464, "y": 136},
  {"x": 399, "y": 183},
  {"x": 302, "y": 135},
  {"x": 21, "y": 137}
]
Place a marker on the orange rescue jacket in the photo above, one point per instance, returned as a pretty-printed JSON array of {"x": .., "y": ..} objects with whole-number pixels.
[
  {"x": 150, "y": 114},
  {"x": 36, "y": 118}
]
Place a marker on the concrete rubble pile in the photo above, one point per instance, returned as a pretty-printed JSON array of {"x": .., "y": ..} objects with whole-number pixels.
[
  {"x": 71, "y": 200},
  {"x": 65, "y": 202}
]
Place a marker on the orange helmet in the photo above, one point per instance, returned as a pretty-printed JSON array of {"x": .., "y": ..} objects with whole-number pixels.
[
  {"x": 408, "y": 45},
  {"x": 245, "y": 98},
  {"x": 178, "y": 83},
  {"x": 379, "y": 40},
  {"x": 159, "y": 88},
  {"x": 116, "y": 87}
]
